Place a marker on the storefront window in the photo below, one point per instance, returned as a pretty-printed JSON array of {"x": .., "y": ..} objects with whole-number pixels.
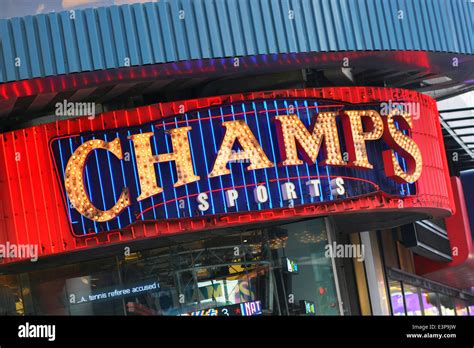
[
  {"x": 282, "y": 270},
  {"x": 412, "y": 300},
  {"x": 461, "y": 307},
  {"x": 396, "y": 298},
  {"x": 447, "y": 305},
  {"x": 79, "y": 289},
  {"x": 11, "y": 302},
  {"x": 430, "y": 302},
  {"x": 303, "y": 244},
  {"x": 416, "y": 301}
]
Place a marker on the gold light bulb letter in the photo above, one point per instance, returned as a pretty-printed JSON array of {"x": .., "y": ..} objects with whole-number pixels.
[{"x": 74, "y": 181}]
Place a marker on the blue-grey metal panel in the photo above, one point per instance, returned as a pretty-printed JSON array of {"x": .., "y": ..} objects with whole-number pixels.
[
  {"x": 45, "y": 44},
  {"x": 8, "y": 50},
  {"x": 191, "y": 26},
  {"x": 71, "y": 47},
  {"x": 58, "y": 44},
  {"x": 288, "y": 25},
  {"x": 106, "y": 37},
  {"x": 277, "y": 17},
  {"x": 20, "y": 48},
  {"x": 83, "y": 41},
  {"x": 236, "y": 25},
  {"x": 214, "y": 31},
  {"x": 167, "y": 32},
  {"x": 203, "y": 32},
  {"x": 177, "y": 30},
  {"x": 406, "y": 30}
]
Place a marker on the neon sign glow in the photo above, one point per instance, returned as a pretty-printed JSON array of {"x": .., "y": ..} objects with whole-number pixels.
[{"x": 241, "y": 156}]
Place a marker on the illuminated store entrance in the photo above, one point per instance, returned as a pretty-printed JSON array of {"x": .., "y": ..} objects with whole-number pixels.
[{"x": 279, "y": 270}]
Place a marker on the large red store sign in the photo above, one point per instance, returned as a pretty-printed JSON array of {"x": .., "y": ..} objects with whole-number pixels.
[
  {"x": 208, "y": 162},
  {"x": 238, "y": 157}
]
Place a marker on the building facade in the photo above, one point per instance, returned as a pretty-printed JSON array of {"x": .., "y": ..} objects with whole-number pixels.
[{"x": 235, "y": 158}]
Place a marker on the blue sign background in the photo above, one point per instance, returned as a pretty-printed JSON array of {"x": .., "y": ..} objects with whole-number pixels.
[
  {"x": 467, "y": 180},
  {"x": 105, "y": 175}
]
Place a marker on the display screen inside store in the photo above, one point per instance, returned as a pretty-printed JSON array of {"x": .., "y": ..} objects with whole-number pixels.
[
  {"x": 290, "y": 266},
  {"x": 307, "y": 307},
  {"x": 242, "y": 309},
  {"x": 112, "y": 293}
]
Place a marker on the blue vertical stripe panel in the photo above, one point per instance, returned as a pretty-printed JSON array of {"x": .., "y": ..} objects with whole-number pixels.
[
  {"x": 156, "y": 39},
  {"x": 130, "y": 36},
  {"x": 419, "y": 25},
  {"x": 366, "y": 25},
  {"x": 120, "y": 47},
  {"x": 49, "y": 64},
  {"x": 351, "y": 25},
  {"x": 320, "y": 26},
  {"x": 433, "y": 25},
  {"x": 215, "y": 34},
  {"x": 106, "y": 37},
  {"x": 385, "y": 13},
  {"x": 374, "y": 24},
  {"x": 467, "y": 19},
  {"x": 8, "y": 48},
  {"x": 338, "y": 24},
  {"x": 412, "y": 27},
  {"x": 382, "y": 25},
  {"x": 190, "y": 31},
  {"x": 401, "y": 24},
  {"x": 394, "y": 16},
  {"x": 2, "y": 67},
  {"x": 167, "y": 32},
  {"x": 158, "y": 32},
  {"x": 427, "y": 26},
  {"x": 449, "y": 27},
  {"x": 94, "y": 39},
  {"x": 236, "y": 27},
  {"x": 462, "y": 26},
  {"x": 270, "y": 35},
  {"x": 288, "y": 16},
  {"x": 278, "y": 18},
  {"x": 330, "y": 23},
  {"x": 299, "y": 23},
  {"x": 34, "y": 53},
  {"x": 404, "y": 22},
  {"x": 82, "y": 39},
  {"x": 224, "y": 24},
  {"x": 71, "y": 48},
  {"x": 456, "y": 28},
  {"x": 20, "y": 48},
  {"x": 203, "y": 30},
  {"x": 58, "y": 44},
  {"x": 310, "y": 26},
  {"x": 257, "y": 21},
  {"x": 469, "y": 11},
  {"x": 143, "y": 34},
  {"x": 249, "y": 36},
  {"x": 438, "y": 18},
  {"x": 178, "y": 16}
]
